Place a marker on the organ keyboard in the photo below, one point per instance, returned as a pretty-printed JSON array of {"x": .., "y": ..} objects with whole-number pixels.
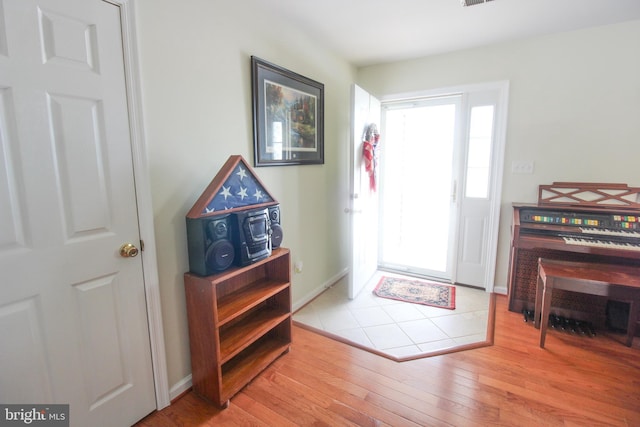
[
  {"x": 603, "y": 229},
  {"x": 601, "y": 243}
]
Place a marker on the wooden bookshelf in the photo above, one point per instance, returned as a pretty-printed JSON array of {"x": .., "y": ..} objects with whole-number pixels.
[{"x": 239, "y": 323}]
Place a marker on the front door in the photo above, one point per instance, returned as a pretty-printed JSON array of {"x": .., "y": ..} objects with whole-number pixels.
[
  {"x": 442, "y": 174},
  {"x": 364, "y": 200},
  {"x": 73, "y": 322},
  {"x": 420, "y": 169}
]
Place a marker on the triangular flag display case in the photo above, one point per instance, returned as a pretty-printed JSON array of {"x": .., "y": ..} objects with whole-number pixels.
[
  {"x": 239, "y": 312},
  {"x": 236, "y": 221},
  {"x": 235, "y": 187}
]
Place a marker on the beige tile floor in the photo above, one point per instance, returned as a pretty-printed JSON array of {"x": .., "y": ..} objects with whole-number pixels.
[{"x": 396, "y": 328}]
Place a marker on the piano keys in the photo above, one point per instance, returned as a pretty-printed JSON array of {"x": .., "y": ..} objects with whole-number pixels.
[
  {"x": 575, "y": 231},
  {"x": 595, "y": 242}
]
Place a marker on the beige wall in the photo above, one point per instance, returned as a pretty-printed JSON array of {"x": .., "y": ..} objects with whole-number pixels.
[
  {"x": 196, "y": 83},
  {"x": 574, "y": 107}
]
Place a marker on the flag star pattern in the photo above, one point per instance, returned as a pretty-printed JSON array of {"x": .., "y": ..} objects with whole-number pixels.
[{"x": 239, "y": 190}]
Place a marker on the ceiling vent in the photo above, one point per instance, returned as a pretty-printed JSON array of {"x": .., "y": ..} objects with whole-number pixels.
[{"x": 473, "y": 2}]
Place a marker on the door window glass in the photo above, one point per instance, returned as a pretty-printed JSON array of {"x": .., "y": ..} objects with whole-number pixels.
[{"x": 479, "y": 153}]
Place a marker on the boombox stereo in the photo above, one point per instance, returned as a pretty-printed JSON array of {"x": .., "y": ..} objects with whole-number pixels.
[
  {"x": 216, "y": 243},
  {"x": 251, "y": 237},
  {"x": 210, "y": 244}
]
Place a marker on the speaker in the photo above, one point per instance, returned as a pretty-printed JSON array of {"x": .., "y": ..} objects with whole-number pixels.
[
  {"x": 276, "y": 227},
  {"x": 209, "y": 243}
]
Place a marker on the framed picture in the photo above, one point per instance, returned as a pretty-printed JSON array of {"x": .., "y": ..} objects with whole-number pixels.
[{"x": 288, "y": 116}]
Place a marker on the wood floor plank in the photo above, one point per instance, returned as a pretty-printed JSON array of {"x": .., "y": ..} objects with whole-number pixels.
[
  {"x": 573, "y": 381},
  {"x": 301, "y": 406},
  {"x": 261, "y": 412},
  {"x": 378, "y": 380},
  {"x": 343, "y": 391}
]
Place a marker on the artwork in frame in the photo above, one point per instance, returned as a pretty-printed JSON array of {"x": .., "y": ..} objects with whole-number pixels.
[{"x": 288, "y": 116}]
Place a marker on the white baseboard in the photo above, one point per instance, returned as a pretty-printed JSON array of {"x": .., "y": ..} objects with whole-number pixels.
[
  {"x": 318, "y": 290},
  {"x": 180, "y": 387},
  {"x": 502, "y": 290}
]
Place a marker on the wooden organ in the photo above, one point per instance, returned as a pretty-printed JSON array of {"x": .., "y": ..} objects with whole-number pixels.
[{"x": 582, "y": 222}]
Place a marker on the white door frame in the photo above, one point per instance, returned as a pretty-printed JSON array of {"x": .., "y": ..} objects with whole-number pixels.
[
  {"x": 497, "y": 163},
  {"x": 143, "y": 198}
]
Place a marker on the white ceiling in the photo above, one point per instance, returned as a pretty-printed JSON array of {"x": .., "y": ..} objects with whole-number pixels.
[{"x": 367, "y": 32}]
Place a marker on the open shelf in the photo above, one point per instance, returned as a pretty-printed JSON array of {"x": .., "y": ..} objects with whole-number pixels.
[
  {"x": 243, "y": 300},
  {"x": 235, "y": 339},
  {"x": 243, "y": 368}
]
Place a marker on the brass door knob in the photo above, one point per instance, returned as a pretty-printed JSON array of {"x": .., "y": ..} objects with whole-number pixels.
[{"x": 128, "y": 250}]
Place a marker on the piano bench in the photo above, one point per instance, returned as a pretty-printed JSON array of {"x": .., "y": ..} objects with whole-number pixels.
[{"x": 616, "y": 282}]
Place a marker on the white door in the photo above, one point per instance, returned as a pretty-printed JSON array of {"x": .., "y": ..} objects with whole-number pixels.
[
  {"x": 364, "y": 201},
  {"x": 420, "y": 169},
  {"x": 73, "y": 323},
  {"x": 479, "y": 194},
  {"x": 441, "y": 204}
]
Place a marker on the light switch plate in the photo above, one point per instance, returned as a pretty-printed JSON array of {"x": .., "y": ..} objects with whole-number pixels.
[{"x": 522, "y": 166}]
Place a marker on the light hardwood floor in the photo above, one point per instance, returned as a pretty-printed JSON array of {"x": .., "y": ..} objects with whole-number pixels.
[{"x": 574, "y": 381}]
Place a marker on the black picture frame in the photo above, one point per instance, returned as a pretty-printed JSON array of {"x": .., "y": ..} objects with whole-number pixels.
[{"x": 288, "y": 116}]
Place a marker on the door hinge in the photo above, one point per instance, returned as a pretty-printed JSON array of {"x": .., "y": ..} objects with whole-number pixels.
[{"x": 454, "y": 193}]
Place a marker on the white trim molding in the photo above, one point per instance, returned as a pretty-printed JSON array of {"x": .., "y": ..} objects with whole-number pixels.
[
  {"x": 181, "y": 387},
  {"x": 297, "y": 305},
  {"x": 145, "y": 208}
]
